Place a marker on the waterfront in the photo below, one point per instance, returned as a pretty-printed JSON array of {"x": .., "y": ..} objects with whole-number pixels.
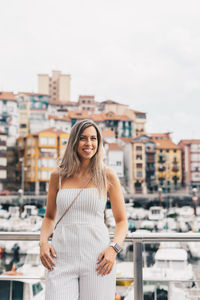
[{"x": 141, "y": 221}]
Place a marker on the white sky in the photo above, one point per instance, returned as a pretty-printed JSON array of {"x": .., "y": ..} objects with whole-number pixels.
[{"x": 143, "y": 53}]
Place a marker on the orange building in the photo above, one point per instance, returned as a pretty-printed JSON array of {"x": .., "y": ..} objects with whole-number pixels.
[{"x": 42, "y": 151}]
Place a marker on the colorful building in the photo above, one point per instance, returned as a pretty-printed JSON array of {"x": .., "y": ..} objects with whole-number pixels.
[
  {"x": 190, "y": 162},
  {"x": 42, "y": 152},
  {"x": 9, "y": 121},
  {"x": 168, "y": 162}
]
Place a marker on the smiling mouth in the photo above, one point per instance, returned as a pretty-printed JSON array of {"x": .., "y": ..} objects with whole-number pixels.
[{"x": 87, "y": 150}]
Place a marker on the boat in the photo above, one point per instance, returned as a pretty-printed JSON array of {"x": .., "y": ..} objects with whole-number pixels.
[
  {"x": 29, "y": 210},
  {"x": 156, "y": 213},
  {"x": 21, "y": 289},
  {"x": 170, "y": 265},
  {"x": 26, "y": 282}
]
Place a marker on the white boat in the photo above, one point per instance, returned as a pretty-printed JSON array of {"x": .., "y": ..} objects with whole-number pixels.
[
  {"x": 156, "y": 213},
  {"x": 23, "y": 289},
  {"x": 147, "y": 224},
  {"x": 139, "y": 213},
  {"x": 186, "y": 213},
  {"x": 170, "y": 265},
  {"x": 4, "y": 213},
  {"x": 29, "y": 210},
  {"x": 32, "y": 265},
  {"x": 29, "y": 284},
  {"x": 13, "y": 211}
]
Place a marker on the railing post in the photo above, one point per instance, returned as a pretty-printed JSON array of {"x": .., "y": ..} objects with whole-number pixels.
[{"x": 138, "y": 280}]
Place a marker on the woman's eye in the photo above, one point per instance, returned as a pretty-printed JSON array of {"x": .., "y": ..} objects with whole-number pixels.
[
  {"x": 82, "y": 138},
  {"x": 93, "y": 138}
]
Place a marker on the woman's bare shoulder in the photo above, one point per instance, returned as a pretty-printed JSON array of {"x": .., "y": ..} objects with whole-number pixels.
[
  {"x": 55, "y": 174},
  {"x": 110, "y": 174}
]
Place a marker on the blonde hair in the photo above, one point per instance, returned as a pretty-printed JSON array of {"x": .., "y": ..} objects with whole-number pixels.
[{"x": 70, "y": 163}]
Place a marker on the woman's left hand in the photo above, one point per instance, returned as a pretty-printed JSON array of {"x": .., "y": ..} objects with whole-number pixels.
[{"x": 106, "y": 261}]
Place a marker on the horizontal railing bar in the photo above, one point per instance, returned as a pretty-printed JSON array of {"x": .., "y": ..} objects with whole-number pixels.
[
  {"x": 133, "y": 237},
  {"x": 6, "y": 277}
]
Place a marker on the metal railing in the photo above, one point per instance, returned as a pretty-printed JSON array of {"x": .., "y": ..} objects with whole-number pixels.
[{"x": 136, "y": 238}]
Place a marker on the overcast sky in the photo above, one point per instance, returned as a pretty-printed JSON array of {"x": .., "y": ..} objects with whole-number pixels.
[{"x": 143, "y": 53}]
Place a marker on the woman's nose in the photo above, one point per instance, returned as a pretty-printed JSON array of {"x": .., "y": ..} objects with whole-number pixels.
[{"x": 88, "y": 141}]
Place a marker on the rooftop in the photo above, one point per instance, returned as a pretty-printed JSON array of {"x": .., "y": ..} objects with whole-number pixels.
[{"x": 7, "y": 96}]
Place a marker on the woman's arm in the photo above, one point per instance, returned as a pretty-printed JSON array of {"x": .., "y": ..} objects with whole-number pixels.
[
  {"x": 107, "y": 257},
  {"x": 49, "y": 222},
  {"x": 118, "y": 207}
]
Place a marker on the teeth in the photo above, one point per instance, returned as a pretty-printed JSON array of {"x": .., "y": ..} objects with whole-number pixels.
[{"x": 87, "y": 150}]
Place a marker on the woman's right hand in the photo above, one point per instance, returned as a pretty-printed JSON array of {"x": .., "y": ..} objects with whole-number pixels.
[{"x": 46, "y": 253}]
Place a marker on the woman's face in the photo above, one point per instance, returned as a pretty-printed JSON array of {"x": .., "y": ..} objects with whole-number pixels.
[{"x": 88, "y": 143}]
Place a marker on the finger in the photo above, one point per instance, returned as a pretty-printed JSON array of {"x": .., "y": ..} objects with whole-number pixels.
[
  {"x": 101, "y": 256},
  {"x": 53, "y": 251},
  {"x": 48, "y": 257},
  {"x": 101, "y": 265},
  {"x": 46, "y": 264},
  {"x": 108, "y": 270},
  {"x": 104, "y": 270}
]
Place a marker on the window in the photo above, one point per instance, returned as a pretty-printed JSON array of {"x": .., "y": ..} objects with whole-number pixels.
[
  {"x": 22, "y": 125},
  {"x": 51, "y": 141},
  {"x": 139, "y": 166},
  {"x": 139, "y": 148},
  {"x": 174, "y": 150},
  {"x": 161, "y": 150},
  {"x": 3, "y": 174},
  {"x": 139, "y": 174},
  {"x": 43, "y": 140},
  {"x": 139, "y": 157}
]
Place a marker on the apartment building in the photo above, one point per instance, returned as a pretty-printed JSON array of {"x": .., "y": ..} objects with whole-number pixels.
[
  {"x": 150, "y": 161},
  {"x": 114, "y": 158},
  {"x": 9, "y": 121},
  {"x": 139, "y": 120},
  {"x": 138, "y": 167},
  {"x": 190, "y": 162},
  {"x": 87, "y": 103},
  {"x": 3, "y": 160},
  {"x": 60, "y": 122},
  {"x": 110, "y": 105},
  {"x": 56, "y": 86},
  {"x": 33, "y": 112},
  {"x": 42, "y": 152},
  {"x": 168, "y": 162}
]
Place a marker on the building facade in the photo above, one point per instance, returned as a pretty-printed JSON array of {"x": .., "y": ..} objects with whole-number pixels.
[
  {"x": 168, "y": 162},
  {"x": 56, "y": 86},
  {"x": 3, "y": 160},
  {"x": 42, "y": 152},
  {"x": 190, "y": 163},
  {"x": 9, "y": 120}
]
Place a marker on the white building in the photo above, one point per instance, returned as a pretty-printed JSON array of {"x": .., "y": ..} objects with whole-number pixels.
[
  {"x": 114, "y": 158},
  {"x": 3, "y": 159},
  {"x": 9, "y": 117}
]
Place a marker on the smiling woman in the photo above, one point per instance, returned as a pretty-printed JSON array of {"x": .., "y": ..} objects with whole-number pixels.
[{"x": 81, "y": 250}]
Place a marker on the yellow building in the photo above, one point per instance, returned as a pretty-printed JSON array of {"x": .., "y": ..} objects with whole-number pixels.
[
  {"x": 42, "y": 151},
  {"x": 168, "y": 162}
]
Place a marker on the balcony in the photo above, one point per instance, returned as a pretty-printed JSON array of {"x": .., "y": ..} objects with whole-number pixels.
[{"x": 136, "y": 239}]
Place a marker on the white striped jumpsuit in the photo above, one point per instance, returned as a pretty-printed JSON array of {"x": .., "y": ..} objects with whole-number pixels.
[{"x": 78, "y": 240}]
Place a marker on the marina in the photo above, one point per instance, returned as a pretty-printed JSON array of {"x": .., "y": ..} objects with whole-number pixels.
[{"x": 170, "y": 269}]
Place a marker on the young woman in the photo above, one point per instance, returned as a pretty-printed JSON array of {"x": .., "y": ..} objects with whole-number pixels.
[{"x": 81, "y": 260}]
